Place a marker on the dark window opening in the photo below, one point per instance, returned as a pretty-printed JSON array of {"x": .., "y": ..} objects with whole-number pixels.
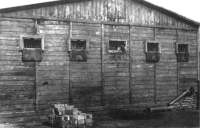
[
  {"x": 32, "y": 43},
  {"x": 31, "y": 49},
  {"x": 182, "y": 53},
  {"x": 152, "y": 52},
  {"x": 152, "y": 47},
  {"x": 78, "y": 51},
  {"x": 78, "y": 44},
  {"x": 117, "y": 46},
  {"x": 183, "y": 48}
]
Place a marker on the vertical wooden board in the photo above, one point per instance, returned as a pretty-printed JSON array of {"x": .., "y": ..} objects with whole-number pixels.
[
  {"x": 88, "y": 11},
  {"x": 82, "y": 10},
  {"x": 121, "y": 10},
  {"x": 101, "y": 9},
  {"x": 67, "y": 11},
  {"x": 126, "y": 6},
  {"x": 97, "y": 10},
  {"x": 134, "y": 13},
  {"x": 70, "y": 11}
]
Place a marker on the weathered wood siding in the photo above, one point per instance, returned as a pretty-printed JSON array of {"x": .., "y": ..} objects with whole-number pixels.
[
  {"x": 53, "y": 72},
  {"x": 161, "y": 82},
  {"x": 25, "y": 84},
  {"x": 122, "y": 11},
  {"x": 85, "y": 77},
  {"x": 166, "y": 70},
  {"x": 198, "y": 52},
  {"x": 188, "y": 76},
  {"x": 142, "y": 73},
  {"x": 116, "y": 67},
  {"x": 106, "y": 78},
  {"x": 17, "y": 79}
]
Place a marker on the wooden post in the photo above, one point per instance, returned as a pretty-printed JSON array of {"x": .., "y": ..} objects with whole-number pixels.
[
  {"x": 155, "y": 85},
  {"x": 198, "y": 95},
  {"x": 130, "y": 67},
  {"x": 69, "y": 36},
  {"x": 198, "y": 69},
  {"x": 102, "y": 64},
  {"x": 35, "y": 31},
  {"x": 69, "y": 50},
  {"x": 36, "y": 90},
  {"x": 178, "y": 70}
]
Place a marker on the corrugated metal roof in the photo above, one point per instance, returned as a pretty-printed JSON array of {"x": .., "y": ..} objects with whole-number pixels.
[{"x": 58, "y": 2}]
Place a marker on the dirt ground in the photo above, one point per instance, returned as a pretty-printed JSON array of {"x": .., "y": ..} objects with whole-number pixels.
[
  {"x": 122, "y": 119},
  {"x": 172, "y": 119}
]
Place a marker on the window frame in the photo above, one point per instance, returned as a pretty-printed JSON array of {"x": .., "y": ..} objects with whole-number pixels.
[
  {"x": 156, "y": 42},
  {"x": 186, "y": 54},
  {"x": 177, "y": 46},
  {"x": 86, "y": 46},
  {"x": 70, "y": 43},
  {"x": 70, "y": 50},
  {"x": 116, "y": 51},
  {"x": 34, "y": 37}
]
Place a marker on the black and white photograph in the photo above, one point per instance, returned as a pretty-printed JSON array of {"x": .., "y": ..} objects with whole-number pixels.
[{"x": 99, "y": 64}]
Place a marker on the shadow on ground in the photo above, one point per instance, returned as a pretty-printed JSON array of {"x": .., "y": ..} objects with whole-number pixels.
[
  {"x": 169, "y": 119},
  {"x": 114, "y": 119},
  {"x": 133, "y": 115}
]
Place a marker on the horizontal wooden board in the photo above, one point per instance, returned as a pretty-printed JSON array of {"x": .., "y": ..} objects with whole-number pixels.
[{"x": 115, "y": 79}]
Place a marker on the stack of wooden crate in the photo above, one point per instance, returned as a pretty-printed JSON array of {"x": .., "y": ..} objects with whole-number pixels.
[{"x": 67, "y": 116}]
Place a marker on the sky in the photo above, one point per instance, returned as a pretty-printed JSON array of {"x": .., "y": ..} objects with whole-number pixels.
[{"x": 187, "y": 8}]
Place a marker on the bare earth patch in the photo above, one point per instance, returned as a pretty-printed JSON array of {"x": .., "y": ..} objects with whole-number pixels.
[{"x": 119, "y": 119}]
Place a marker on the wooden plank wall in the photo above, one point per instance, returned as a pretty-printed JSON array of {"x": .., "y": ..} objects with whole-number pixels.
[
  {"x": 198, "y": 52},
  {"x": 166, "y": 69},
  {"x": 122, "y": 11},
  {"x": 53, "y": 71},
  {"x": 160, "y": 84},
  {"x": 142, "y": 72},
  {"x": 116, "y": 77},
  {"x": 85, "y": 77},
  {"x": 17, "y": 79},
  {"x": 198, "y": 86},
  {"x": 188, "y": 76},
  {"x": 116, "y": 67}
]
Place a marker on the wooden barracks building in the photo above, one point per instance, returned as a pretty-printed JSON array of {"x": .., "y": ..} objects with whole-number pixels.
[{"x": 94, "y": 53}]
